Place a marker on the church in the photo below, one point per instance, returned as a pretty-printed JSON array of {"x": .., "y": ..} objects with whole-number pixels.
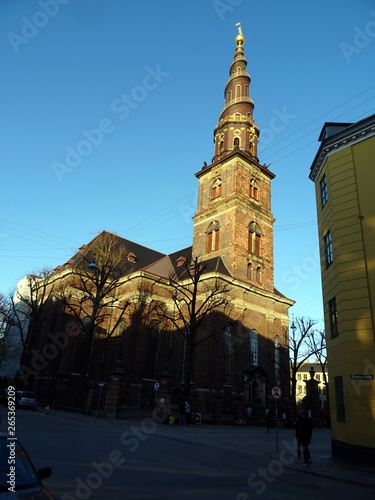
[{"x": 137, "y": 357}]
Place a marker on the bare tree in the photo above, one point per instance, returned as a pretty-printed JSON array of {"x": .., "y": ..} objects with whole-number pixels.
[
  {"x": 24, "y": 312},
  {"x": 92, "y": 296},
  {"x": 316, "y": 341},
  {"x": 300, "y": 349},
  {"x": 318, "y": 344},
  {"x": 195, "y": 297},
  {"x": 7, "y": 347}
]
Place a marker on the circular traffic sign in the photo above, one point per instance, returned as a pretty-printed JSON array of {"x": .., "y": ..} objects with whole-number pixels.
[
  {"x": 156, "y": 386},
  {"x": 276, "y": 392}
]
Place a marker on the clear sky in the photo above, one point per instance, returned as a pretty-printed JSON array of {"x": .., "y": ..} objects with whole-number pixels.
[{"x": 108, "y": 110}]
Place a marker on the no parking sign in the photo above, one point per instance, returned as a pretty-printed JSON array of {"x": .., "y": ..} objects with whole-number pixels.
[{"x": 276, "y": 392}]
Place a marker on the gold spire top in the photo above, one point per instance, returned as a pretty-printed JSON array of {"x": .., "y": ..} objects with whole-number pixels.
[{"x": 240, "y": 39}]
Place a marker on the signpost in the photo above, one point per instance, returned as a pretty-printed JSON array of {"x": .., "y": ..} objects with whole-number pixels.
[{"x": 276, "y": 393}]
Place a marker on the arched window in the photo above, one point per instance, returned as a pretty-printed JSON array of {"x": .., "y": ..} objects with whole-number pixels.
[
  {"x": 254, "y": 192},
  {"x": 249, "y": 270},
  {"x": 132, "y": 257},
  {"x": 220, "y": 147},
  {"x": 254, "y": 348},
  {"x": 180, "y": 261},
  {"x": 255, "y": 235},
  {"x": 213, "y": 234},
  {"x": 258, "y": 274},
  {"x": 236, "y": 142},
  {"x": 277, "y": 358},
  {"x": 216, "y": 189},
  {"x": 238, "y": 91}
]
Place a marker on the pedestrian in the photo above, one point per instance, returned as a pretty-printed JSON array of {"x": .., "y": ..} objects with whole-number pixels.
[
  {"x": 187, "y": 413},
  {"x": 182, "y": 415},
  {"x": 268, "y": 420},
  {"x": 303, "y": 436}
]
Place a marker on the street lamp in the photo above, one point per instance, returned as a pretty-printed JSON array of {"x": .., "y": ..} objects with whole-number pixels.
[
  {"x": 92, "y": 266},
  {"x": 293, "y": 327}
]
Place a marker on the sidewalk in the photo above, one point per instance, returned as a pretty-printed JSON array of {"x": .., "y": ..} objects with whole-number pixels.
[
  {"x": 279, "y": 448},
  {"x": 276, "y": 447}
]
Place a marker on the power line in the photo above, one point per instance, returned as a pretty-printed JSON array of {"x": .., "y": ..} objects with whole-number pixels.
[{"x": 323, "y": 116}]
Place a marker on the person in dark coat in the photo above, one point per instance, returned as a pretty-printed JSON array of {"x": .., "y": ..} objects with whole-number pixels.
[
  {"x": 182, "y": 415},
  {"x": 303, "y": 436}
]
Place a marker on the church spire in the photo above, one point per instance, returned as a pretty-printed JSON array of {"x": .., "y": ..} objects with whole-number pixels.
[{"x": 236, "y": 129}]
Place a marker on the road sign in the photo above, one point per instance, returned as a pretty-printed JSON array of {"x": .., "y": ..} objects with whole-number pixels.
[
  {"x": 156, "y": 386},
  {"x": 276, "y": 392}
]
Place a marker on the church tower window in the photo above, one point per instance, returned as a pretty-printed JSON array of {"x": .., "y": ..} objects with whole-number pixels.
[
  {"x": 249, "y": 270},
  {"x": 255, "y": 236},
  {"x": 236, "y": 142},
  {"x": 213, "y": 234},
  {"x": 254, "y": 191},
  {"x": 216, "y": 190},
  {"x": 258, "y": 274}
]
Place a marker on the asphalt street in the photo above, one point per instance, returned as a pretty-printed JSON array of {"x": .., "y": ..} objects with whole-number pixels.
[{"x": 140, "y": 460}]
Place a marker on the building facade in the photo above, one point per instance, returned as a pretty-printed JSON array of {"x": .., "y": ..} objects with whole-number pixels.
[
  {"x": 344, "y": 176},
  {"x": 304, "y": 374},
  {"x": 242, "y": 345}
]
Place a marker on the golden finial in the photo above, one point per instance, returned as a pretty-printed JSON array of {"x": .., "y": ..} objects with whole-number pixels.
[{"x": 240, "y": 39}]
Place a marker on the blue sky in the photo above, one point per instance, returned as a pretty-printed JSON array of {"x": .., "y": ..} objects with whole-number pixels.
[{"x": 79, "y": 156}]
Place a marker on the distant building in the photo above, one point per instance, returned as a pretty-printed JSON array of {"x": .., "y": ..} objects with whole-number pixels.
[
  {"x": 16, "y": 327},
  {"x": 304, "y": 374},
  {"x": 344, "y": 175}
]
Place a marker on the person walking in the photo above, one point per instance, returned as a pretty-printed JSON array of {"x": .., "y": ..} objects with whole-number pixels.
[
  {"x": 182, "y": 415},
  {"x": 303, "y": 436},
  {"x": 187, "y": 413}
]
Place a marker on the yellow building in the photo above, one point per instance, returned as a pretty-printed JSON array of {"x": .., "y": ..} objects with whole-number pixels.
[{"x": 344, "y": 175}]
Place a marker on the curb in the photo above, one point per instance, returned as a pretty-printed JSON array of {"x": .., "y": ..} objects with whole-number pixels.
[{"x": 345, "y": 476}]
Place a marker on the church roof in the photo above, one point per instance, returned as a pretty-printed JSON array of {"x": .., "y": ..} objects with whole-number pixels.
[{"x": 141, "y": 258}]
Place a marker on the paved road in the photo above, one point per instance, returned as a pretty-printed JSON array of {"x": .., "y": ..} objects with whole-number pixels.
[{"x": 119, "y": 460}]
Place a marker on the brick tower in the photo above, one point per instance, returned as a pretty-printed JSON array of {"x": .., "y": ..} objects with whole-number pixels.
[{"x": 233, "y": 219}]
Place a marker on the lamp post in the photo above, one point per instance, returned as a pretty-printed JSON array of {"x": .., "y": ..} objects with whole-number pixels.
[{"x": 293, "y": 328}]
